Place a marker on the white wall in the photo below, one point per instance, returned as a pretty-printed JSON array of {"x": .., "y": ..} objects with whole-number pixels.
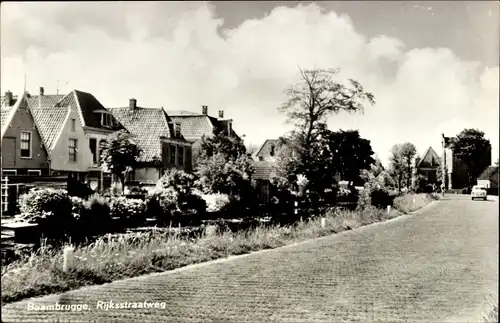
[
  {"x": 147, "y": 174},
  {"x": 60, "y": 151},
  {"x": 484, "y": 182}
]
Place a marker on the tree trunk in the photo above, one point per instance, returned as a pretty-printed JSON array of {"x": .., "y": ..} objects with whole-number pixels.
[{"x": 122, "y": 181}]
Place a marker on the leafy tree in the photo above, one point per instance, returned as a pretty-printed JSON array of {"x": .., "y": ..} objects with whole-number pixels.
[
  {"x": 377, "y": 168},
  {"x": 471, "y": 148},
  {"x": 401, "y": 159},
  {"x": 351, "y": 154},
  {"x": 223, "y": 165},
  {"x": 119, "y": 154},
  {"x": 315, "y": 97}
]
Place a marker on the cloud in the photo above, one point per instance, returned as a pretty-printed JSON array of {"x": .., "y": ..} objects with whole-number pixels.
[{"x": 178, "y": 55}]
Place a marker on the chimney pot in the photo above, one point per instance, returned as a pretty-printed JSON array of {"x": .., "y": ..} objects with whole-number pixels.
[
  {"x": 41, "y": 90},
  {"x": 221, "y": 114},
  {"x": 132, "y": 104},
  {"x": 204, "y": 109}
]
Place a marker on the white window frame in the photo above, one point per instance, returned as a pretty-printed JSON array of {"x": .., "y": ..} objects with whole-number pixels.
[
  {"x": 30, "y": 144},
  {"x": 11, "y": 171},
  {"x": 39, "y": 172}
]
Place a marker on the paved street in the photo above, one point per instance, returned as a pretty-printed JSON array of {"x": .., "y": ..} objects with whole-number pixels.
[{"x": 436, "y": 265}]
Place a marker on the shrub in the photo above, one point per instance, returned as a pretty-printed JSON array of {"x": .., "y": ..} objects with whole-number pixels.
[
  {"x": 132, "y": 212},
  {"x": 216, "y": 202},
  {"x": 178, "y": 180},
  {"x": 50, "y": 208},
  {"x": 78, "y": 206},
  {"x": 95, "y": 218}
]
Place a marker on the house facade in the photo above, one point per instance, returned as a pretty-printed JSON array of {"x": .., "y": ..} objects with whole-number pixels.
[
  {"x": 160, "y": 139},
  {"x": 23, "y": 151},
  {"x": 195, "y": 126}
]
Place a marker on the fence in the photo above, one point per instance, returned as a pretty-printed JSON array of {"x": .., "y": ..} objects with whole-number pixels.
[{"x": 5, "y": 194}]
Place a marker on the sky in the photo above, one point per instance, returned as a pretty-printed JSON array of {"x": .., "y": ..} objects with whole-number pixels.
[{"x": 432, "y": 66}]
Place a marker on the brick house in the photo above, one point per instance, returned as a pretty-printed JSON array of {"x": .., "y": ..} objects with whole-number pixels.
[
  {"x": 23, "y": 150},
  {"x": 194, "y": 126},
  {"x": 161, "y": 141}
]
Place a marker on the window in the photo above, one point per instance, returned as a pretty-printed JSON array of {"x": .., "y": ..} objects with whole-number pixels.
[
  {"x": 34, "y": 172},
  {"x": 272, "y": 150},
  {"x": 106, "y": 120},
  {"x": 173, "y": 154},
  {"x": 26, "y": 144},
  {"x": 72, "y": 150},
  {"x": 9, "y": 172},
  {"x": 180, "y": 155},
  {"x": 73, "y": 124},
  {"x": 93, "y": 150}
]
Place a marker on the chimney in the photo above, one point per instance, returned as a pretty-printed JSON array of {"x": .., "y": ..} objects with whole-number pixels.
[
  {"x": 204, "y": 109},
  {"x": 41, "y": 90},
  {"x": 177, "y": 130},
  {"x": 8, "y": 98},
  {"x": 221, "y": 114},
  {"x": 132, "y": 104}
]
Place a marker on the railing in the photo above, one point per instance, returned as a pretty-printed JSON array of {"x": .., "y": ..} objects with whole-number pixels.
[{"x": 5, "y": 194}]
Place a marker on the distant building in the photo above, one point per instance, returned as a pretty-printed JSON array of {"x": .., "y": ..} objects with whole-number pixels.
[
  {"x": 454, "y": 170},
  {"x": 428, "y": 166},
  {"x": 195, "y": 126}
]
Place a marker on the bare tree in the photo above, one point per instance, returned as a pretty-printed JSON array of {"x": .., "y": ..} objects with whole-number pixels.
[{"x": 316, "y": 96}]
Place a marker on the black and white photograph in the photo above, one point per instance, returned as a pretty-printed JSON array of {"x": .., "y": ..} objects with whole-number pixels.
[{"x": 250, "y": 161}]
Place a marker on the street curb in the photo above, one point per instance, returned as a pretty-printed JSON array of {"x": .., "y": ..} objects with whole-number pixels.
[{"x": 235, "y": 257}]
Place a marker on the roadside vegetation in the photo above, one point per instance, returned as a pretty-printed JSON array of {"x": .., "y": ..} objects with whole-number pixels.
[{"x": 113, "y": 257}]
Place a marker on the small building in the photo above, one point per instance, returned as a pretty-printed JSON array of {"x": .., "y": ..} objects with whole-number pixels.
[{"x": 159, "y": 138}]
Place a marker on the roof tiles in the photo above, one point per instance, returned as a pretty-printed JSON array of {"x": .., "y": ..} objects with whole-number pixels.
[{"x": 147, "y": 125}]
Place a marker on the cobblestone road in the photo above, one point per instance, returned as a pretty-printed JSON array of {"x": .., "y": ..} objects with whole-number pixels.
[{"x": 436, "y": 265}]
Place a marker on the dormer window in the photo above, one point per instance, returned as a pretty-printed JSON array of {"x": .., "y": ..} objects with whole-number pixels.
[
  {"x": 271, "y": 152},
  {"x": 106, "y": 120}
]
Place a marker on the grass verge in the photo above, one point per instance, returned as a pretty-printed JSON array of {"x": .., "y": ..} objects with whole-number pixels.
[{"x": 135, "y": 254}]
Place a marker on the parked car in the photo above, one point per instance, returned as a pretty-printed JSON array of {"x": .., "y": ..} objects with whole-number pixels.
[{"x": 478, "y": 192}]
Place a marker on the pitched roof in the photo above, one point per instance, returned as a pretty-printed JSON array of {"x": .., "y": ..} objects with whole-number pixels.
[
  {"x": 489, "y": 173},
  {"x": 49, "y": 122},
  {"x": 196, "y": 125},
  {"x": 3, "y": 100},
  {"x": 263, "y": 170},
  {"x": 147, "y": 125},
  {"x": 265, "y": 149},
  {"x": 45, "y": 100},
  {"x": 88, "y": 104},
  {"x": 5, "y": 114},
  {"x": 429, "y": 159},
  {"x": 8, "y": 113},
  {"x": 193, "y": 127}
]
